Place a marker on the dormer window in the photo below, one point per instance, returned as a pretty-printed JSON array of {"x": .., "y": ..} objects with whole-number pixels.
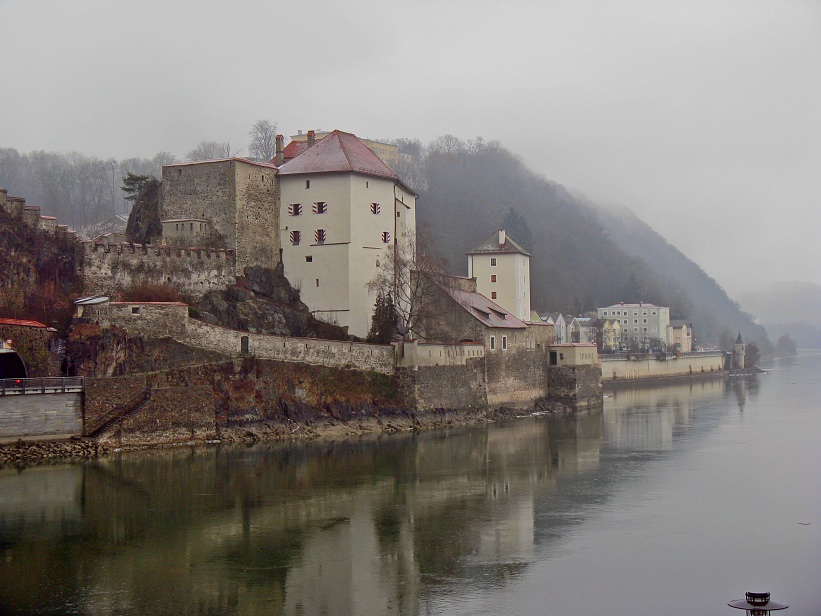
[
  {"x": 295, "y": 209},
  {"x": 320, "y": 207}
]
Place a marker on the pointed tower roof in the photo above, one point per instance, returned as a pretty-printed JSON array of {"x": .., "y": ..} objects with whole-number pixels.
[
  {"x": 498, "y": 242},
  {"x": 739, "y": 340},
  {"x": 339, "y": 152}
]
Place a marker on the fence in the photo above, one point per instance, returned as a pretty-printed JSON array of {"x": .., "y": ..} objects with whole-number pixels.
[{"x": 42, "y": 385}]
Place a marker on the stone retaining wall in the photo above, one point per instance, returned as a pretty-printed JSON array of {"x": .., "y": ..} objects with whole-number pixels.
[
  {"x": 649, "y": 367},
  {"x": 41, "y": 415}
]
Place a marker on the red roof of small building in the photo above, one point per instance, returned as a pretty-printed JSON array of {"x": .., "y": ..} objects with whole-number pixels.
[
  {"x": 338, "y": 152},
  {"x": 22, "y": 323},
  {"x": 293, "y": 149},
  {"x": 487, "y": 312}
]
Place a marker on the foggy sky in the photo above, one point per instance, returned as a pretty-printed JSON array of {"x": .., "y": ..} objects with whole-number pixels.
[{"x": 702, "y": 117}]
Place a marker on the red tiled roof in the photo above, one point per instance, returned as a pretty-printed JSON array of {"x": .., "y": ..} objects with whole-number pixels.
[
  {"x": 148, "y": 304},
  {"x": 22, "y": 323},
  {"x": 487, "y": 312},
  {"x": 294, "y": 149},
  {"x": 338, "y": 152}
]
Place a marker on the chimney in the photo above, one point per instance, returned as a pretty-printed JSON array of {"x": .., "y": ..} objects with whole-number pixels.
[
  {"x": 311, "y": 138},
  {"x": 502, "y": 237},
  {"x": 280, "y": 154}
]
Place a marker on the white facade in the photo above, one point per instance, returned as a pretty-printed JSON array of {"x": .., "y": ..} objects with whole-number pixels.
[
  {"x": 502, "y": 272},
  {"x": 640, "y": 321},
  {"x": 335, "y": 232}
]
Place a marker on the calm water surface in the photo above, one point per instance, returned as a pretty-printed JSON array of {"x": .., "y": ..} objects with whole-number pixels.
[{"x": 673, "y": 500}]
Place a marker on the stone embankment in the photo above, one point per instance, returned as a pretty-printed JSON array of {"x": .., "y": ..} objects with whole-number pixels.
[
  {"x": 28, "y": 453},
  {"x": 24, "y": 453}
]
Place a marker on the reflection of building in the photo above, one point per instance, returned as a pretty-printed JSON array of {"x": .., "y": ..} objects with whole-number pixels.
[{"x": 639, "y": 322}]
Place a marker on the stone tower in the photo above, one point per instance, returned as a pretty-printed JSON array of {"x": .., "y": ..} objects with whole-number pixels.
[{"x": 738, "y": 353}]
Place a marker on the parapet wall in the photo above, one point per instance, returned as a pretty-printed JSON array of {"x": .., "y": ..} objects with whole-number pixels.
[
  {"x": 647, "y": 367},
  {"x": 108, "y": 269},
  {"x": 332, "y": 353},
  {"x": 30, "y": 214}
]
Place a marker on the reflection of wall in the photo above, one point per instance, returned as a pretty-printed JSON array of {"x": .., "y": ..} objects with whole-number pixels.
[{"x": 40, "y": 496}]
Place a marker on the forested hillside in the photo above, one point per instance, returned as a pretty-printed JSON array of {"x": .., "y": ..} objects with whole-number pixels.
[{"x": 583, "y": 256}]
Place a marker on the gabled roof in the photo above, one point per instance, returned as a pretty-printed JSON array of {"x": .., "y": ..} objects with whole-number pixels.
[
  {"x": 492, "y": 245},
  {"x": 481, "y": 308},
  {"x": 293, "y": 149},
  {"x": 338, "y": 152},
  {"x": 23, "y": 323},
  {"x": 678, "y": 323}
]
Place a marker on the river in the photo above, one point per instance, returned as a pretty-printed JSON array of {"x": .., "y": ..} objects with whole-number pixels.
[{"x": 672, "y": 500}]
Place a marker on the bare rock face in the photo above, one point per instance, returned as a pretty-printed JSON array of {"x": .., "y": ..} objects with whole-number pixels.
[{"x": 263, "y": 301}]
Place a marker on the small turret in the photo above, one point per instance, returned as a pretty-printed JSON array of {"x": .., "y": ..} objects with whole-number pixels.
[{"x": 738, "y": 353}]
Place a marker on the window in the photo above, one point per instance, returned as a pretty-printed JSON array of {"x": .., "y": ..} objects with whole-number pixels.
[
  {"x": 493, "y": 262},
  {"x": 295, "y": 237},
  {"x": 309, "y": 259},
  {"x": 493, "y": 295},
  {"x": 504, "y": 343},
  {"x": 399, "y": 214},
  {"x": 135, "y": 310},
  {"x": 307, "y": 183},
  {"x": 492, "y": 343},
  {"x": 319, "y": 236},
  {"x": 317, "y": 284},
  {"x": 191, "y": 226},
  {"x": 493, "y": 278},
  {"x": 375, "y": 208},
  {"x": 386, "y": 237},
  {"x": 320, "y": 207},
  {"x": 367, "y": 185},
  {"x": 295, "y": 209}
]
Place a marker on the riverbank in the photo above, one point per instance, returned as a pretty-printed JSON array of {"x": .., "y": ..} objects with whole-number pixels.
[{"x": 24, "y": 453}]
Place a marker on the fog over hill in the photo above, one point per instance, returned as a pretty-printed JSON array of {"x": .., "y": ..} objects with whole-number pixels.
[
  {"x": 583, "y": 255},
  {"x": 789, "y": 307}
]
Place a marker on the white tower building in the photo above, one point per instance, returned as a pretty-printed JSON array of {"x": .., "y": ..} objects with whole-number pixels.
[
  {"x": 342, "y": 207},
  {"x": 502, "y": 271}
]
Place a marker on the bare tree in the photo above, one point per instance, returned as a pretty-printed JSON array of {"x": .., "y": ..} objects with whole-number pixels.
[
  {"x": 407, "y": 274},
  {"x": 263, "y": 140},
  {"x": 207, "y": 150}
]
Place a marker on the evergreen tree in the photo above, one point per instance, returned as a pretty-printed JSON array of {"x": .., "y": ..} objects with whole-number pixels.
[
  {"x": 133, "y": 185},
  {"x": 514, "y": 224},
  {"x": 384, "y": 321}
]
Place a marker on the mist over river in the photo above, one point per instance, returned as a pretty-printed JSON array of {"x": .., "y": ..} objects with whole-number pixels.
[{"x": 672, "y": 500}]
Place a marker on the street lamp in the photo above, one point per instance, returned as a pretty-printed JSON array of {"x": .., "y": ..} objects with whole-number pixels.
[{"x": 757, "y": 604}]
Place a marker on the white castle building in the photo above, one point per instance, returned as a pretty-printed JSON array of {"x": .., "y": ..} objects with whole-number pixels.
[{"x": 341, "y": 209}]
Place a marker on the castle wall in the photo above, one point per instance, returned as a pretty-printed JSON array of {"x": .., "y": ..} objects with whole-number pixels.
[
  {"x": 456, "y": 386},
  {"x": 618, "y": 368},
  {"x": 239, "y": 198},
  {"x": 108, "y": 269},
  {"x": 257, "y": 216},
  {"x": 203, "y": 190},
  {"x": 334, "y": 353}
]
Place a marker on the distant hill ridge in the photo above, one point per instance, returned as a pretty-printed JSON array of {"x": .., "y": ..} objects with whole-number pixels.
[{"x": 583, "y": 255}]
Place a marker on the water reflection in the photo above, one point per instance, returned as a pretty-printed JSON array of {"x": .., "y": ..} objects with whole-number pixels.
[{"x": 369, "y": 526}]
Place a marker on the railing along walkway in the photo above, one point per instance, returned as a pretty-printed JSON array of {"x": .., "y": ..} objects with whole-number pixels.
[{"x": 42, "y": 385}]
